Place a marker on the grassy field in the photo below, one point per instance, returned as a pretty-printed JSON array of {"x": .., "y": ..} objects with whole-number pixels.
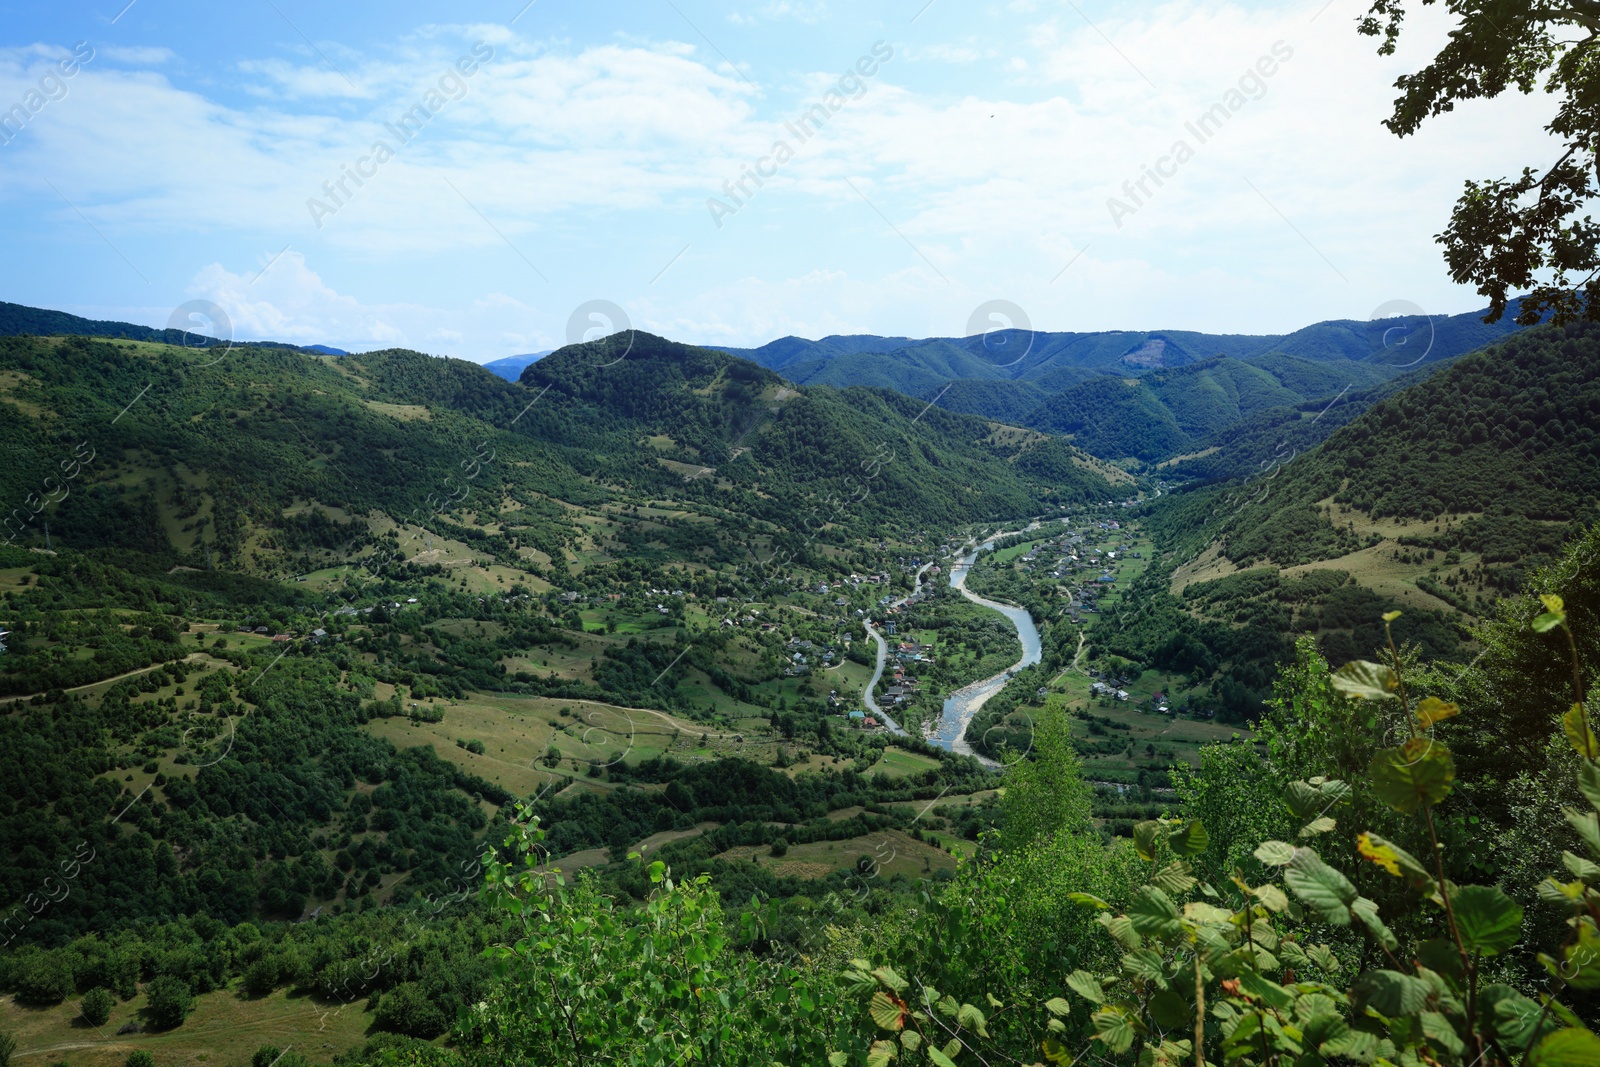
[
  {"x": 898, "y": 763},
  {"x": 892, "y": 851},
  {"x": 517, "y": 732},
  {"x": 226, "y": 1028}
]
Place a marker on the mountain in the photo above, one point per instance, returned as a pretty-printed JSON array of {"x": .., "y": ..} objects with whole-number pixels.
[
  {"x": 510, "y": 368},
  {"x": 1184, "y": 392},
  {"x": 19, "y": 320}
]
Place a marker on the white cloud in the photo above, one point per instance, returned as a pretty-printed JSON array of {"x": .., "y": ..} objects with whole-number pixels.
[{"x": 595, "y": 162}]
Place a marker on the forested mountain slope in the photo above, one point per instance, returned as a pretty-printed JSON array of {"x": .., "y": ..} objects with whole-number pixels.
[{"x": 1181, "y": 392}]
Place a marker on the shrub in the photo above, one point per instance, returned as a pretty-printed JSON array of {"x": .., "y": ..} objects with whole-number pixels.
[
  {"x": 406, "y": 1009},
  {"x": 96, "y": 1006},
  {"x": 139, "y": 1058},
  {"x": 167, "y": 1002},
  {"x": 261, "y": 977}
]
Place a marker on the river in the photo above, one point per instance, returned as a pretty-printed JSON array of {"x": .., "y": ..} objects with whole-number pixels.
[{"x": 963, "y": 704}]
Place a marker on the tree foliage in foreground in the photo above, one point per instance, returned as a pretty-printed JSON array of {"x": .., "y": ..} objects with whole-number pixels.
[{"x": 1527, "y": 233}]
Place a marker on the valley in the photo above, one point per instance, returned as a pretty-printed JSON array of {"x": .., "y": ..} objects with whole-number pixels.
[{"x": 296, "y": 635}]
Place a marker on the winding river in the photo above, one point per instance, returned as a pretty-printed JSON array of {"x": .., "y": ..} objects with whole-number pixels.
[{"x": 963, "y": 704}]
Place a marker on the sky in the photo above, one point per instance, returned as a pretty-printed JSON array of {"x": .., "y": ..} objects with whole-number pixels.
[{"x": 476, "y": 179}]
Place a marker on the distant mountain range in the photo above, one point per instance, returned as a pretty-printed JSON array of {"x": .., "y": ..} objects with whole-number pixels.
[
  {"x": 511, "y": 367},
  {"x": 1150, "y": 395},
  {"x": 1153, "y": 395}
]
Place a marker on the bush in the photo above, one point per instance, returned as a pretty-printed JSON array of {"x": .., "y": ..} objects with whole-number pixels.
[
  {"x": 406, "y": 1009},
  {"x": 139, "y": 1058},
  {"x": 261, "y": 977},
  {"x": 96, "y": 1006},
  {"x": 780, "y": 847},
  {"x": 168, "y": 1002},
  {"x": 268, "y": 1055}
]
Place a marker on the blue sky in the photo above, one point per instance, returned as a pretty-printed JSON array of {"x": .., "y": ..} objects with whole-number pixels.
[{"x": 996, "y": 153}]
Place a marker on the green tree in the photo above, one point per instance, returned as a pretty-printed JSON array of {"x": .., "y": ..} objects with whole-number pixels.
[
  {"x": 168, "y": 1002},
  {"x": 406, "y": 1009},
  {"x": 1046, "y": 795},
  {"x": 1529, "y": 232},
  {"x": 96, "y": 1006}
]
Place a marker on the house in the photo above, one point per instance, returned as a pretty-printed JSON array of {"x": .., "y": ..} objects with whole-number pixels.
[{"x": 318, "y": 635}]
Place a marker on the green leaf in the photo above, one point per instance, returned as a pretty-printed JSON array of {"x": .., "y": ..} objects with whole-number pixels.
[
  {"x": 1365, "y": 681},
  {"x": 1549, "y": 621},
  {"x": 891, "y": 980},
  {"x": 910, "y": 1040},
  {"x": 881, "y": 1053},
  {"x": 1367, "y": 911},
  {"x": 1587, "y": 870},
  {"x": 1058, "y": 1007},
  {"x": 952, "y": 1048},
  {"x": 1441, "y": 1034},
  {"x": 1121, "y": 928},
  {"x": 1420, "y": 772},
  {"x": 1114, "y": 1028},
  {"x": 1190, "y": 839},
  {"x": 1170, "y": 1011},
  {"x": 1317, "y": 826},
  {"x": 937, "y": 1057},
  {"x": 1323, "y": 889},
  {"x": 1304, "y": 800},
  {"x": 1489, "y": 921},
  {"x": 1575, "y": 724},
  {"x": 1175, "y": 878},
  {"x": 1274, "y": 853},
  {"x": 1587, "y": 823},
  {"x": 1391, "y": 993},
  {"x": 1152, "y": 913},
  {"x": 1270, "y": 993},
  {"x": 1086, "y": 986},
  {"x": 1272, "y": 898},
  {"x": 1088, "y": 900},
  {"x": 1589, "y": 783},
  {"x": 973, "y": 1019},
  {"x": 886, "y": 1011},
  {"x": 1351, "y": 1044},
  {"x": 838, "y": 1059},
  {"x": 1147, "y": 965},
  {"x": 1145, "y": 835},
  {"x": 1567, "y": 1048}
]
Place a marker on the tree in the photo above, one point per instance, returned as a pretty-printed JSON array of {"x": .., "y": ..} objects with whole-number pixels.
[
  {"x": 45, "y": 980},
  {"x": 406, "y": 1009},
  {"x": 1046, "y": 795},
  {"x": 168, "y": 1002},
  {"x": 96, "y": 1006},
  {"x": 1510, "y": 235}
]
